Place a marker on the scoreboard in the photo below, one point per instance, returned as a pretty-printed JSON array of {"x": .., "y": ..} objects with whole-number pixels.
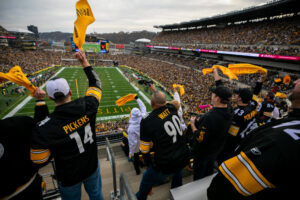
[
  {"x": 101, "y": 46},
  {"x": 104, "y": 46}
]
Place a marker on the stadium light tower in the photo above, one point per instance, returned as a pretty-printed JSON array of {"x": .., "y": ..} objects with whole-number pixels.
[{"x": 33, "y": 29}]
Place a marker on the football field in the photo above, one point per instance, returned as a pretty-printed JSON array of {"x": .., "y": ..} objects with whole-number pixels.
[{"x": 114, "y": 86}]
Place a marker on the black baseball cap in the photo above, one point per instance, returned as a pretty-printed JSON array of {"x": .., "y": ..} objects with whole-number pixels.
[
  {"x": 244, "y": 93},
  {"x": 222, "y": 92}
]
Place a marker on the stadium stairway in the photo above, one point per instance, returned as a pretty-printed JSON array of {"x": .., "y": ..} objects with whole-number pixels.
[{"x": 161, "y": 192}]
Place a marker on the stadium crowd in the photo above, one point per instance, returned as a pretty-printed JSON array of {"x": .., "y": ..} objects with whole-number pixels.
[
  {"x": 30, "y": 61},
  {"x": 220, "y": 129},
  {"x": 186, "y": 71},
  {"x": 110, "y": 126},
  {"x": 257, "y": 37},
  {"x": 181, "y": 70}
]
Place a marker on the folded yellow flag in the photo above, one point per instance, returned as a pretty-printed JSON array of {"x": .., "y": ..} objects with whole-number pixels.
[
  {"x": 181, "y": 88},
  {"x": 84, "y": 18},
  {"x": 281, "y": 95},
  {"x": 125, "y": 99},
  {"x": 207, "y": 71},
  {"x": 245, "y": 68},
  {"x": 223, "y": 69},
  {"x": 277, "y": 80},
  {"x": 16, "y": 75},
  {"x": 287, "y": 79}
]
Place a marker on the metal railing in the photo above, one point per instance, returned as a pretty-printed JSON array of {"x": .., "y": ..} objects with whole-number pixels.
[
  {"x": 125, "y": 188},
  {"x": 54, "y": 192},
  {"x": 113, "y": 137},
  {"x": 115, "y": 194}
]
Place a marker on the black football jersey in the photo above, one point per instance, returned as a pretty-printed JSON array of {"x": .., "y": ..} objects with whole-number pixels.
[
  {"x": 244, "y": 119},
  {"x": 16, "y": 166},
  {"x": 68, "y": 134},
  {"x": 266, "y": 165},
  {"x": 266, "y": 111},
  {"x": 162, "y": 130}
]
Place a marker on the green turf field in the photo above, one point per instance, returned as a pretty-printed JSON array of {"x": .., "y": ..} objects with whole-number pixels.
[{"x": 114, "y": 86}]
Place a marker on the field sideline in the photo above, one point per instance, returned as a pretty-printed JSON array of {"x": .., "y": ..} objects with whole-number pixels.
[{"x": 114, "y": 86}]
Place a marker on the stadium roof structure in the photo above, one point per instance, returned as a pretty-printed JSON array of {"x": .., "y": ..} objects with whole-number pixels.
[
  {"x": 272, "y": 8},
  {"x": 19, "y": 30},
  {"x": 143, "y": 40}
]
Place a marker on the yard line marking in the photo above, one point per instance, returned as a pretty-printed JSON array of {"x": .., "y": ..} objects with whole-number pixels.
[
  {"x": 17, "y": 108},
  {"x": 115, "y": 105},
  {"x": 111, "y": 117}
]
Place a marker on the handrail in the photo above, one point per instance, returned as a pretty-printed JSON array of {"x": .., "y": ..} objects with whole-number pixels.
[
  {"x": 111, "y": 158},
  {"x": 125, "y": 188},
  {"x": 113, "y": 138},
  {"x": 55, "y": 192}
]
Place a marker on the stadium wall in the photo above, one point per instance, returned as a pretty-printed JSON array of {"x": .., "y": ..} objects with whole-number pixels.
[{"x": 282, "y": 65}]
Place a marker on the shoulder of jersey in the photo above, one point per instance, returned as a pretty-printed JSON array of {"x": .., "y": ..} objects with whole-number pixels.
[
  {"x": 148, "y": 117},
  {"x": 44, "y": 121},
  {"x": 169, "y": 105},
  {"x": 287, "y": 128},
  {"x": 208, "y": 115}
]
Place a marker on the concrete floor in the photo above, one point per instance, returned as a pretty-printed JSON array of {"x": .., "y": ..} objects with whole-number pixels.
[{"x": 161, "y": 192}]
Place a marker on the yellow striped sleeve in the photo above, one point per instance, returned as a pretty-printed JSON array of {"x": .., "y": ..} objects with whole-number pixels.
[
  {"x": 233, "y": 130},
  {"x": 40, "y": 103},
  {"x": 95, "y": 92},
  {"x": 201, "y": 136},
  {"x": 268, "y": 114},
  {"x": 243, "y": 175},
  {"x": 145, "y": 146},
  {"x": 125, "y": 134},
  {"x": 39, "y": 156},
  {"x": 255, "y": 98}
]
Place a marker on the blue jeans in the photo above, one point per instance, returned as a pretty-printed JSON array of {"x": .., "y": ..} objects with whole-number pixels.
[
  {"x": 92, "y": 185},
  {"x": 203, "y": 167},
  {"x": 151, "y": 177}
]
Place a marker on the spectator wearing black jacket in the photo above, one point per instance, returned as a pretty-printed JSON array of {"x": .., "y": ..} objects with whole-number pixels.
[
  {"x": 161, "y": 131},
  {"x": 244, "y": 116},
  {"x": 19, "y": 177},
  {"x": 210, "y": 132},
  {"x": 68, "y": 135},
  {"x": 266, "y": 164}
]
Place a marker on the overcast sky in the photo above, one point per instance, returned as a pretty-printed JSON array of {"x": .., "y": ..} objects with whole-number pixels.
[{"x": 113, "y": 15}]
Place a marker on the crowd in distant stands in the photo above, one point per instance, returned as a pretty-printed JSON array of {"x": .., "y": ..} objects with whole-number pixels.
[
  {"x": 259, "y": 37},
  {"x": 193, "y": 80},
  {"x": 187, "y": 71},
  {"x": 30, "y": 61},
  {"x": 109, "y": 126},
  {"x": 189, "y": 61}
]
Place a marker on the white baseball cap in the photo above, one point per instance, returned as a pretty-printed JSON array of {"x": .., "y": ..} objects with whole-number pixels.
[{"x": 57, "y": 85}]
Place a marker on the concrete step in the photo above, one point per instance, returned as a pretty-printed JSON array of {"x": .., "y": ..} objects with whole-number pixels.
[{"x": 161, "y": 192}]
